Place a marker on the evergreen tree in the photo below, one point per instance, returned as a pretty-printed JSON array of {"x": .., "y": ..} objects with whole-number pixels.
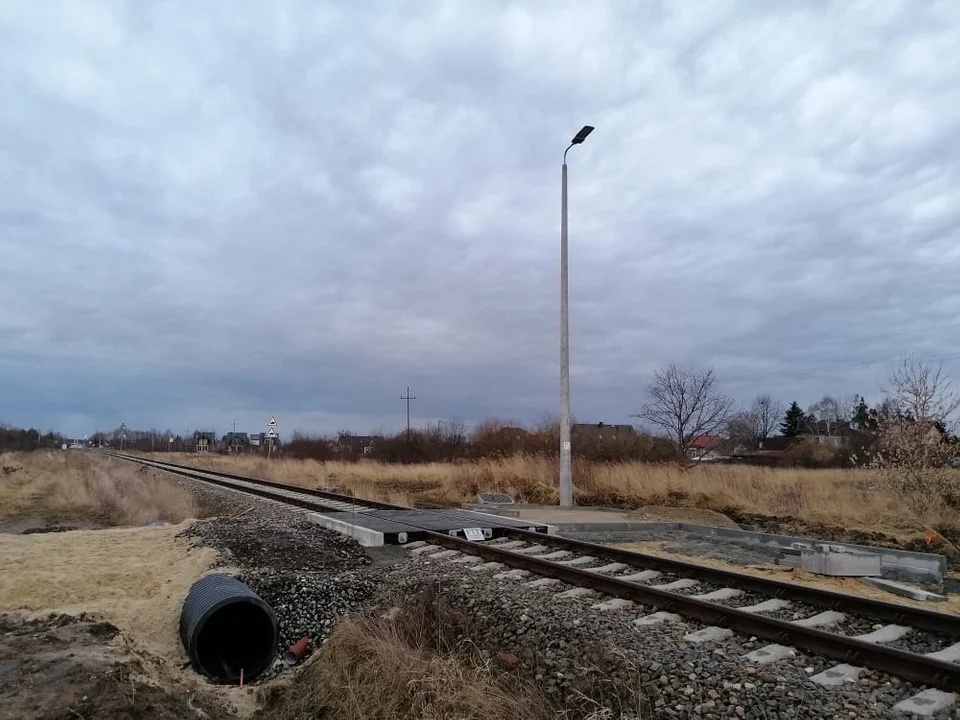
[
  {"x": 861, "y": 418},
  {"x": 793, "y": 421}
]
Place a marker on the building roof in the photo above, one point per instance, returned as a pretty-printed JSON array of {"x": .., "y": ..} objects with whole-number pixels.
[{"x": 704, "y": 441}]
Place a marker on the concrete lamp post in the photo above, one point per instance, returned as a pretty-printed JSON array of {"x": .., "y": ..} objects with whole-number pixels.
[{"x": 566, "y": 469}]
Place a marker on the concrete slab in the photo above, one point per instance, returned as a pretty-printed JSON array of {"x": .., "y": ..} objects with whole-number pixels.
[
  {"x": 508, "y": 545},
  {"x": 838, "y": 675},
  {"x": 556, "y": 555},
  {"x": 838, "y": 562},
  {"x": 657, "y": 618},
  {"x": 828, "y": 618},
  {"x": 443, "y": 555},
  {"x": 365, "y": 536},
  {"x": 948, "y": 654},
  {"x": 886, "y": 634},
  {"x": 574, "y": 593},
  {"x": 487, "y": 566},
  {"x": 681, "y": 584},
  {"x": 468, "y": 559},
  {"x": 577, "y": 562},
  {"x": 512, "y": 574},
  {"x": 613, "y": 604},
  {"x": 641, "y": 577},
  {"x": 770, "y": 653},
  {"x": 423, "y": 549},
  {"x": 926, "y": 703},
  {"x": 542, "y": 582},
  {"x": 532, "y": 550},
  {"x": 904, "y": 590},
  {"x": 721, "y": 594},
  {"x": 711, "y": 633},
  {"x": 608, "y": 568},
  {"x": 766, "y": 606}
]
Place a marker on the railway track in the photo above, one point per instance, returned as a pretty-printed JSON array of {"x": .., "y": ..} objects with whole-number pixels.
[{"x": 915, "y": 644}]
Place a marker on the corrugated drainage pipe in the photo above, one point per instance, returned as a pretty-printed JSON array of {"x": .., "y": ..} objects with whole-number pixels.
[{"x": 226, "y": 627}]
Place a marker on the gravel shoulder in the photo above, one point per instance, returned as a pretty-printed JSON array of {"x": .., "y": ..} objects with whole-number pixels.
[{"x": 578, "y": 652}]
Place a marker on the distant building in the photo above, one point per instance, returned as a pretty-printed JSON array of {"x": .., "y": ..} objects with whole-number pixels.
[
  {"x": 705, "y": 448},
  {"x": 600, "y": 431},
  {"x": 236, "y": 442},
  {"x": 355, "y": 444},
  {"x": 204, "y": 441}
]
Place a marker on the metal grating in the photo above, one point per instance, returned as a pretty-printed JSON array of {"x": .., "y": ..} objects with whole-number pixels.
[{"x": 494, "y": 499}]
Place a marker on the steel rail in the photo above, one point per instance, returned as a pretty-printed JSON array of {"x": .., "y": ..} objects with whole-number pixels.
[
  {"x": 325, "y": 494},
  {"x": 888, "y": 611},
  {"x": 897, "y": 613},
  {"x": 907, "y": 665},
  {"x": 910, "y": 666}
]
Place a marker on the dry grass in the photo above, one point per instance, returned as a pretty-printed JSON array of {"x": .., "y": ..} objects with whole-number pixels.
[
  {"x": 835, "y": 497},
  {"x": 69, "y": 487},
  {"x": 408, "y": 665}
]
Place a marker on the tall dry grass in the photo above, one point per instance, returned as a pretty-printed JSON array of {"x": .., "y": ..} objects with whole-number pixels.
[
  {"x": 848, "y": 498},
  {"x": 413, "y": 664},
  {"x": 71, "y": 486}
]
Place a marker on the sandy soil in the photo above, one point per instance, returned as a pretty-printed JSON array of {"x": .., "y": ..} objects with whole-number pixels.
[
  {"x": 695, "y": 516},
  {"x": 650, "y": 513},
  {"x": 850, "y": 586},
  {"x": 133, "y": 578}
]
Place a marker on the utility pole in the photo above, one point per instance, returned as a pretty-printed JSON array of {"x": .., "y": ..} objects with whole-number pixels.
[
  {"x": 408, "y": 397},
  {"x": 566, "y": 467}
]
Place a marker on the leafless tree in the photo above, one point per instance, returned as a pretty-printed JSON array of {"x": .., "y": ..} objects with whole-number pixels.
[
  {"x": 767, "y": 414},
  {"x": 923, "y": 389},
  {"x": 741, "y": 428},
  {"x": 685, "y": 403},
  {"x": 829, "y": 413}
]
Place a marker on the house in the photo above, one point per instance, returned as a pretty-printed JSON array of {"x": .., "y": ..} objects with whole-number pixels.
[
  {"x": 705, "y": 448},
  {"x": 355, "y": 444},
  {"x": 204, "y": 441},
  {"x": 600, "y": 431},
  {"x": 236, "y": 442}
]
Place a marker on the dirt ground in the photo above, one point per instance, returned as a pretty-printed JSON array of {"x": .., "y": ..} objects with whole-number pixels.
[
  {"x": 133, "y": 580},
  {"x": 72, "y": 667}
]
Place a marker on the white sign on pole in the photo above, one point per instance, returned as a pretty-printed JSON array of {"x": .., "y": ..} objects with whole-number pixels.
[
  {"x": 473, "y": 534},
  {"x": 272, "y": 423},
  {"x": 271, "y": 433}
]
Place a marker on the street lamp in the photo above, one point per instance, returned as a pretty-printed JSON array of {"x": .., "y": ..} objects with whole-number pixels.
[{"x": 566, "y": 470}]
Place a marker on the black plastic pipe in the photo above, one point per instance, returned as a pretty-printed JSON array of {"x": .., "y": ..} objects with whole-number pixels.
[{"x": 226, "y": 628}]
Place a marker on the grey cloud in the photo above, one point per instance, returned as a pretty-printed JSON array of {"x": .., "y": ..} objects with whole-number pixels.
[{"x": 300, "y": 209}]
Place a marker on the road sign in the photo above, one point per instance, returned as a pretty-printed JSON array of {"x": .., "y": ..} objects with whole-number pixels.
[
  {"x": 271, "y": 433},
  {"x": 272, "y": 423}
]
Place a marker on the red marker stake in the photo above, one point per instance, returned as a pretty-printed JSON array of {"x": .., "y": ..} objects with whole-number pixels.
[{"x": 241, "y": 677}]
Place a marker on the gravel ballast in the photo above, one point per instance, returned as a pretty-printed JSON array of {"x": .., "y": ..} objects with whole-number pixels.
[
  {"x": 573, "y": 649},
  {"x": 309, "y": 575}
]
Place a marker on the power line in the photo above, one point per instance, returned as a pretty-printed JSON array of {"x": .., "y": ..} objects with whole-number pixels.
[{"x": 408, "y": 397}]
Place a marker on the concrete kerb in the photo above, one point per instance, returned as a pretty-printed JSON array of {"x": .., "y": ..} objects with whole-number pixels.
[
  {"x": 917, "y": 566},
  {"x": 365, "y": 536}
]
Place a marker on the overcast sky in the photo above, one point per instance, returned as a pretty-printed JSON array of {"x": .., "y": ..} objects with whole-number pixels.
[{"x": 244, "y": 209}]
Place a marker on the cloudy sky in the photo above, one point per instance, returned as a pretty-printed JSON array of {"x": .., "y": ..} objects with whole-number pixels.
[{"x": 239, "y": 209}]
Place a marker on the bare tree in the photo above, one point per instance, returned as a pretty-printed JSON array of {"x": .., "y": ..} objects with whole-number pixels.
[
  {"x": 828, "y": 414},
  {"x": 767, "y": 414},
  {"x": 685, "y": 403},
  {"x": 741, "y": 428},
  {"x": 922, "y": 389}
]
